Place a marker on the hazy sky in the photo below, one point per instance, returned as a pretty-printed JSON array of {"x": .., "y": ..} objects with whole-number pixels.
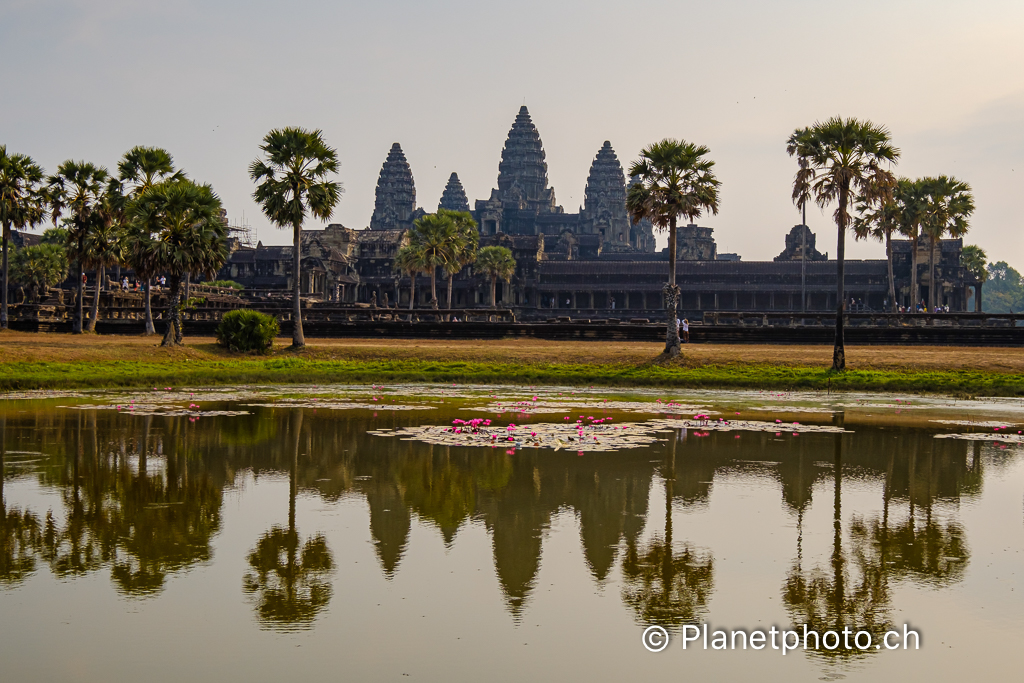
[{"x": 88, "y": 79}]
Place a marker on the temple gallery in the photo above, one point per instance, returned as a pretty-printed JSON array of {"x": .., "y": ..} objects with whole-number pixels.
[{"x": 590, "y": 263}]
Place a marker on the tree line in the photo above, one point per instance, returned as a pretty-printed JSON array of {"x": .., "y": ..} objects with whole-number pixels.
[
  {"x": 842, "y": 162},
  {"x": 157, "y": 220},
  {"x": 153, "y": 218}
]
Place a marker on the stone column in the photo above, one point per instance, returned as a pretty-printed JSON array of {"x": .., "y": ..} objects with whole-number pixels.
[{"x": 977, "y": 298}]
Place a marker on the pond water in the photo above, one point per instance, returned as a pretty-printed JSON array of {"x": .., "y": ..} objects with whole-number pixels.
[{"x": 451, "y": 533}]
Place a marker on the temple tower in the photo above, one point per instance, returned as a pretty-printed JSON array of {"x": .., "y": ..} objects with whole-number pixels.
[
  {"x": 604, "y": 205},
  {"x": 454, "y": 196},
  {"x": 523, "y": 172},
  {"x": 395, "y": 202}
]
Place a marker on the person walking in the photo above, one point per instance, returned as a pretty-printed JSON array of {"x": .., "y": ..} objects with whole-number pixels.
[{"x": 686, "y": 331}]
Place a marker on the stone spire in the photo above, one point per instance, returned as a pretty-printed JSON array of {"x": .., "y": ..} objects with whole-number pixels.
[
  {"x": 605, "y": 197},
  {"x": 454, "y": 196},
  {"x": 523, "y": 172},
  {"x": 396, "y": 193}
]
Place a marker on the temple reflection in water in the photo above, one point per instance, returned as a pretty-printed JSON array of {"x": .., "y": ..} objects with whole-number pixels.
[{"x": 141, "y": 499}]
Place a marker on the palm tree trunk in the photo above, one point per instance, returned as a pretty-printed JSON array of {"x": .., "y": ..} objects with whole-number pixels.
[
  {"x": 173, "y": 332},
  {"x": 95, "y": 312},
  {"x": 298, "y": 339},
  {"x": 839, "y": 349},
  {"x": 672, "y": 296},
  {"x": 913, "y": 274},
  {"x": 148, "y": 299},
  {"x": 76, "y": 327},
  {"x": 892, "y": 280},
  {"x": 451, "y": 278},
  {"x": 3, "y": 295},
  {"x": 932, "y": 296},
  {"x": 433, "y": 288}
]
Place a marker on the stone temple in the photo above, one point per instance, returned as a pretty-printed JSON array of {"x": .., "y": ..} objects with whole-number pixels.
[{"x": 592, "y": 263}]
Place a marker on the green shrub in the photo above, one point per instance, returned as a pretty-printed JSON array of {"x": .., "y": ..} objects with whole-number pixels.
[
  {"x": 245, "y": 330},
  {"x": 224, "y": 283}
]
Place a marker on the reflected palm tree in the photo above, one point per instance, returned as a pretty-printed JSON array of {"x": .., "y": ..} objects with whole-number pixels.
[
  {"x": 834, "y": 600},
  {"x": 20, "y": 531},
  {"x": 289, "y": 580},
  {"x": 162, "y": 524},
  {"x": 662, "y": 585},
  {"x": 928, "y": 552}
]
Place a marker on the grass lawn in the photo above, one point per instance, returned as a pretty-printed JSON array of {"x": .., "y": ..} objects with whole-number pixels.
[{"x": 50, "y": 361}]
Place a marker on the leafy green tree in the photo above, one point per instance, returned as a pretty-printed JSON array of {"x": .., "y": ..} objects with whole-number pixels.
[
  {"x": 676, "y": 179},
  {"x": 140, "y": 169},
  {"x": 464, "y": 247},
  {"x": 841, "y": 161},
  {"x": 974, "y": 260},
  {"x": 496, "y": 263},
  {"x": 435, "y": 237},
  {"x": 291, "y": 180},
  {"x": 21, "y": 205},
  {"x": 58, "y": 236},
  {"x": 947, "y": 211},
  {"x": 178, "y": 231},
  {"x": 77, "y": 188},
  {"x": 410, "y": 261},
  {"x": 40, "y": 267},
  {"x": 1004, "y": 289}
]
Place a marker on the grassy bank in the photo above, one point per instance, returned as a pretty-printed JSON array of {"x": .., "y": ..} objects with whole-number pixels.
[
  {"x": 52, "y": 361},
  {"x": 190, "y": 372}
]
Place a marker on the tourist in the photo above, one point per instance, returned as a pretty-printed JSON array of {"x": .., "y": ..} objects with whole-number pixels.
[
  {"x": 613, "y": 303},
  {"x": 686, "y": 330}
]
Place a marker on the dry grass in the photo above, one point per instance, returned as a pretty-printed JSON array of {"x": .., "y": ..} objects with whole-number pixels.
[{"x": 27, "y": 347}]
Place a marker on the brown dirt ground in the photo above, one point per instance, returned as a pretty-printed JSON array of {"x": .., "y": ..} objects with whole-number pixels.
[{"x": 18, "y": 346}]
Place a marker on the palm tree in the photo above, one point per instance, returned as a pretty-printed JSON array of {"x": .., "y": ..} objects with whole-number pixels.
[
  {"x": 290, "y": 182},
  {"x": 78, "y": 188},
  {"x": 435, "y": 236},
  {"x": 840, "y": 160},
  {"x": 879, "y": 220},
  {"x": 21, "y": 206},
  {"x": 140, "y": 169},
  {"x": 947, "y": 211},
  {"x": 975, "y": 260},
  {"x": 674, "y": 179},
  {"x": 495, "y": 262},
  {"x": 910, "y": 197},
  {"x": 467, "y": 241},
  {"x": 40, "y": 267},
  {"x": 178, "y": 231},
  {"x": 104, "y": 241},
  {"x": 409, "y": 260}
]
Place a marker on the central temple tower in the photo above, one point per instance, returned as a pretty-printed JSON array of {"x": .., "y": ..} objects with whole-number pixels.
[{"x": 523, "y": 172}]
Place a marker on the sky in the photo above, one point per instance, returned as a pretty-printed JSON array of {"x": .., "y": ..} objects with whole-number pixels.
[{"x": 88, "y": 79}]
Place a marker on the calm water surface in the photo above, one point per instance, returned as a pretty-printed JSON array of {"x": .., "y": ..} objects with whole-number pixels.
[{"x": 275, "y": 534}]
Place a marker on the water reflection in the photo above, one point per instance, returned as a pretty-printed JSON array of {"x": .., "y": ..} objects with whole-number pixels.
[
  {"x": 664, "y": 584},
  {"x": 141, "y": 498},
  {"x": 290, "y": 580}
]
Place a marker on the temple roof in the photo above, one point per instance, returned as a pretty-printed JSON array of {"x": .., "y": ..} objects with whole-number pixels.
[
  {"x": 523, "y": 169},
  {"x": 454, "y": 196},
  {"x": 606, "y": 184},
  {"x": 396, "y": 193}
]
